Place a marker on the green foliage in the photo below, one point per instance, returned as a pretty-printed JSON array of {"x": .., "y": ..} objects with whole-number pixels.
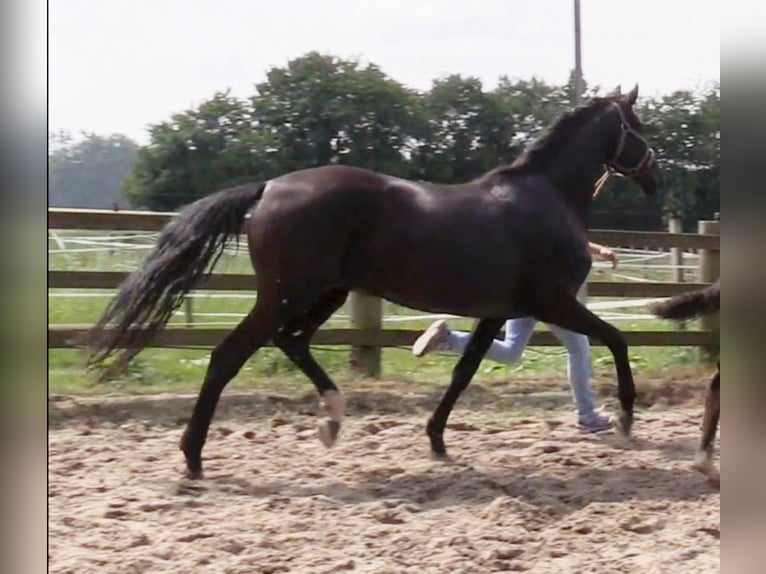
[
  {"x": 685, "y": 130},
  {"x": 197, "y": 152},
  {"x": 467, "y": 131},
  {"x": 323, "y": 110}
]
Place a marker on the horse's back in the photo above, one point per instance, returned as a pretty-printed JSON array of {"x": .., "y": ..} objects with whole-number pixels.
[
  {"x": 421, "y": 244},
  {"x": 307, "y": 221},
  {"x": 358, "y": 198}
]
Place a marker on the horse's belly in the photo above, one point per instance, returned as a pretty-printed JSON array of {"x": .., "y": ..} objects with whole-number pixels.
[
  {"x": 451, "y": 261},
  {"x": 481, "y": 291}
]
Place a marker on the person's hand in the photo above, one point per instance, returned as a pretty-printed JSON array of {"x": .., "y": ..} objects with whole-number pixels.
[{"x": 608, "y": 255}]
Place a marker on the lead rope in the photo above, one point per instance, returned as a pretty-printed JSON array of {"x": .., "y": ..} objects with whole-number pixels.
[{"x": 601, "y": 182}]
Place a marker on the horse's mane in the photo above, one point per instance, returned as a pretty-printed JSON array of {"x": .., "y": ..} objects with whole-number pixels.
[{"x": 549, "y": 144}]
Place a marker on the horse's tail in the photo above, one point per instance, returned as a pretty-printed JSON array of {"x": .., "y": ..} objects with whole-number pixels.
[
  {"x": 703, "y": 301},
  {"x": 188, "y": 245}
]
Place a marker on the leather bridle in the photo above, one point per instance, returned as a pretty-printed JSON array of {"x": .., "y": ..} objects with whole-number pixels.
[{"x": 614, "y": 165}]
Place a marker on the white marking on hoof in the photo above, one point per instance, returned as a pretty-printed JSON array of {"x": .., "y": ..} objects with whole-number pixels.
[
  {"x": 623, "y": 439},
  {"x": 704, "y": 464},
  {"x": 328, "y": 433},
  {"x": 701, "y": 461},
  {"x": 336, "y": 407}
]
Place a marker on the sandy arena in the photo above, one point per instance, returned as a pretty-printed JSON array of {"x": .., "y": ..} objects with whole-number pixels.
[{"x": 522, "y": 493}]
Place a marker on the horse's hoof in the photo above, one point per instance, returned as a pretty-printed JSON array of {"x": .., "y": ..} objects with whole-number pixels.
[
  {"x": 194, "y": 474},
  {"x": 704, "y": 464},
  {"x": 440, "y": 456},
  {"x": 624, "y": 423},
  {"x": 328, "y": 432},
  {"x": 436, "y": 438},
  {"x": 712, "y": 474},
  {"x": 438, "y": 450}
]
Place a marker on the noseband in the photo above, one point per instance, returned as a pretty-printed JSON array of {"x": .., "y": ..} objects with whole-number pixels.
[
  {"x": 613, "y": 165},
  {"x": 625, "y": 130}
]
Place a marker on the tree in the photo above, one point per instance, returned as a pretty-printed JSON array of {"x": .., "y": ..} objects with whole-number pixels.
[
  {"x": 467, "y": 131},
  {"x": 685, "y": 130},
  {"x": 322, "y": 110},
  {"x": 316, "y": 111},
  {"x": 199, "y": 151},
  {"x": 88, "y": 173}
]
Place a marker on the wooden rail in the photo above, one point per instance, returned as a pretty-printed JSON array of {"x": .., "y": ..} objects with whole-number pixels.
[
  {"x": 68, "y": 336},
  {"x": 244, "y": 282},
  {"x": 96, "y": 219},
  {"x": 368, "y": 337}
]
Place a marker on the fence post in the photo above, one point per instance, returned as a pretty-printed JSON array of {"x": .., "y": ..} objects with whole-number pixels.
[
  {"x": 676, "y": 253},
  {"x": 366, "y": 315},
  {"x": 709, "y": 272},
  {"x": 188, "y": 311}
]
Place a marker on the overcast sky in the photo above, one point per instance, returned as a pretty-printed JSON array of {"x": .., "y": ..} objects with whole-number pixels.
[{"x": 118, "y": 65}]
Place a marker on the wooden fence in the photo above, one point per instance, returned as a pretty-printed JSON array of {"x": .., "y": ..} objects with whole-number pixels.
[{"x": 366, "y": 335}]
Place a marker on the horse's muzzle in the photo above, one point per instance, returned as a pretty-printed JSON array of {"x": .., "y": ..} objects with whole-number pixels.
[{"x": 651, "y": 178}]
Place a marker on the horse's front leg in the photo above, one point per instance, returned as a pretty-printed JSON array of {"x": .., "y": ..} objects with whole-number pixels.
[
  {"x": 462, "y": 373},
  {"x": 563, "y": 309}
]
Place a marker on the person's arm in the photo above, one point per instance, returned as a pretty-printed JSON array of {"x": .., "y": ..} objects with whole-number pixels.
[{"x": 604, "y": 252}]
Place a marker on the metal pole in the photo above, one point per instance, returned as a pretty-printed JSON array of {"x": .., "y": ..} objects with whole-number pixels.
[{"x": 578, "y": 55}]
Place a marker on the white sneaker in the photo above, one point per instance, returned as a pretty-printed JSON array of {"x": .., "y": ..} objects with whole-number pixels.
[
  {"x": 594, "y": 422},
  {"x": 434, "y": 338}
]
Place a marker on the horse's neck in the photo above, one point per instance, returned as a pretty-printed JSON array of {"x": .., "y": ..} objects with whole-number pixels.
[
  {"x": 579, "y": 165},
  {"x": 575, "y": 181}
]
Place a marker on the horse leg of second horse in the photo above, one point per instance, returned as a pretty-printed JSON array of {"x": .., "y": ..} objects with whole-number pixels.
[{"x": 703, "y": 460}]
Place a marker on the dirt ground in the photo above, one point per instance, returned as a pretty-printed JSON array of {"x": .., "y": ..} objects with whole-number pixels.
[{"x": 523, "y": 493}]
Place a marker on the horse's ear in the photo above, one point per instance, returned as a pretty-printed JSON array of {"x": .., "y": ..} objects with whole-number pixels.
[
  {"x": 632, "y": 95},
  {"x": 615, "y": 93}
]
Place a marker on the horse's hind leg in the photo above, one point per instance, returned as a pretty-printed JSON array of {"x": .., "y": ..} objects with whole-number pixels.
[
  {"x": 703, "y": 460},
  {"x": 254, "y": 331},
  {"x": 293, "y": 339}
]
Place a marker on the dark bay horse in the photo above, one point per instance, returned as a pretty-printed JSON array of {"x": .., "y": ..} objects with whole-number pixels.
[
  {"x": 689, "y": 305},
  {"x": 509, "y": 243}
]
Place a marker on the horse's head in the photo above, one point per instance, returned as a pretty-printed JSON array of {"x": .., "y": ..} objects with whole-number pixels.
[{"x": 632, "y": 156}]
